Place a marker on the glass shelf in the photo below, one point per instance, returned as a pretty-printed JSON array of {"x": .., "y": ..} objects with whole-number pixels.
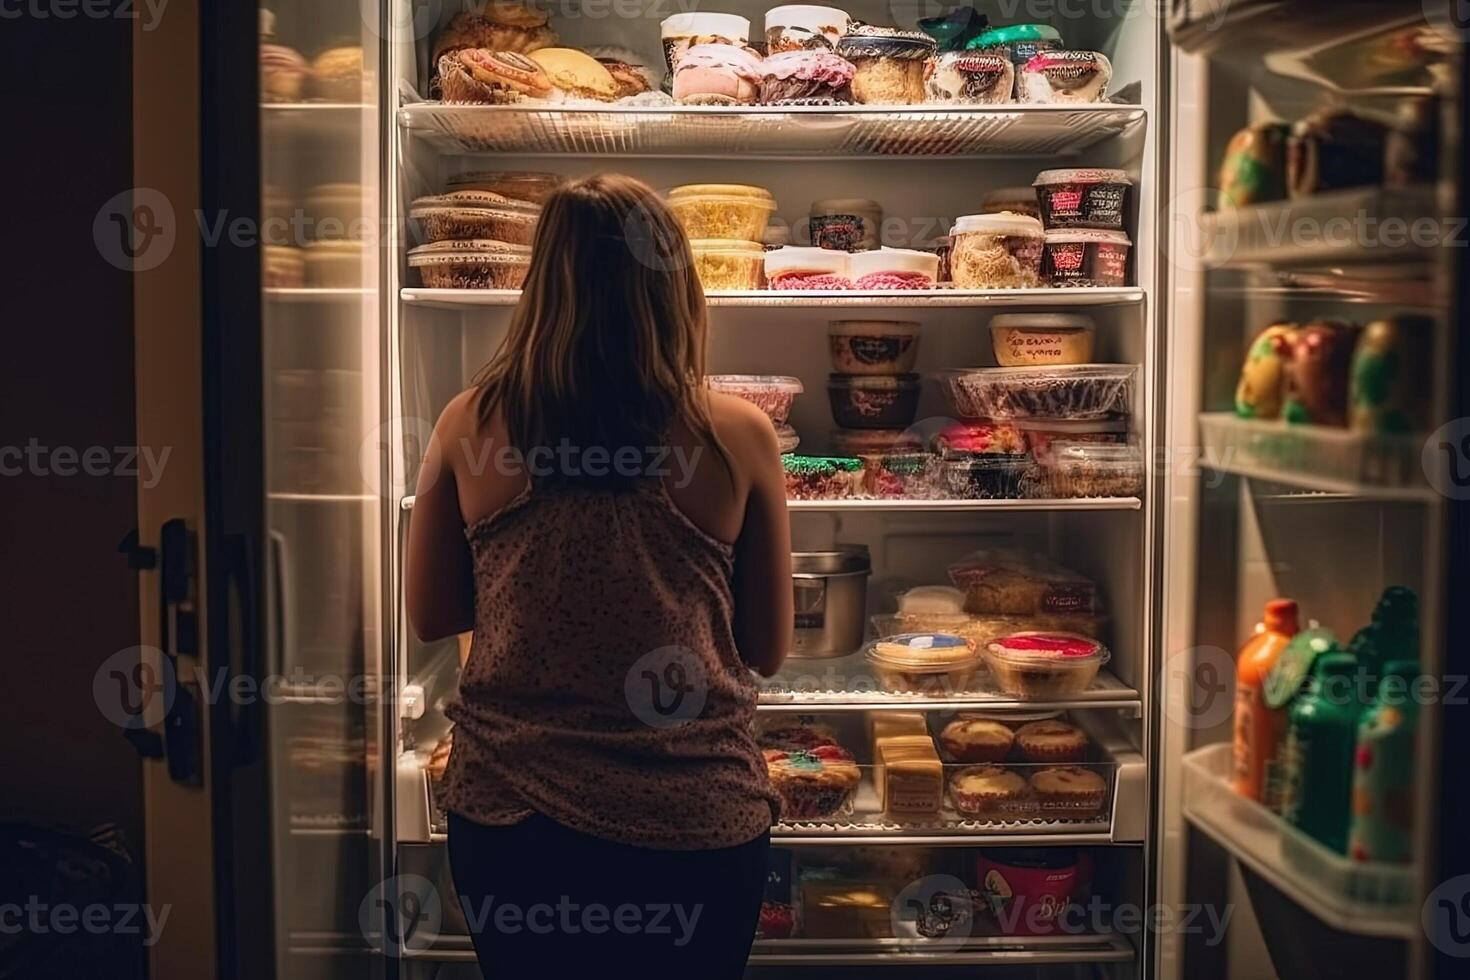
[{"x": 892, "y": 299}]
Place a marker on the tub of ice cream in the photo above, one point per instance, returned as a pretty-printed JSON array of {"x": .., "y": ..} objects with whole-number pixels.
[
  {"x": 873, "y": 401},
  {"x": 771, "y": 393},
  {"x": 804, "y": 27},
  {"x": 1064, "y": 78},
  {"x": 893, "y": 268},
  {"x": 1030, "y": 339},
  {"x": 848, "y": 224},
  {"x": 682, "y": 31},
  {"x": 733, "y": 211},
  {"x": 1083, "y": 197},
  {"x": 1085, "y": 257},
  {"x": 725, "y": 264},
  {"x": 996, "y": 251},
  {"x": 873, "y": 346}
]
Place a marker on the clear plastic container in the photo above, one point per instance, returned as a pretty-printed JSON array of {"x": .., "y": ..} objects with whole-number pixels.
[
  {"x": 822, "y": 477},
  {"x": 475, "y": 215},
  {"x": 786, "y": 437},
  {"x": 1015, "y": 582},
  {"x": 873, "y": 401},
  {"x": 738, "y": 211},
  {"x": 902, "y": 476},
  {"x": 979, "y": 437},
  {"x": 893, "y": 268},
  {"x": 478, "y": 264},
  {"x": 991, "y": 476},
  {"x": 1093, "y": 469},
  {"x": 518, "y": 185},
  {"x": 996, "y": 251},
  {"x": 1064, "y": 77},
  {"x": 871, "y": 442},
  {"x": 873, "y": 346},
  {"x": 804, "y": 27},
  {"x": 1079, "y": 391},
  {"x": 924, "y": 662},
  {"x": 724, "y": 264},
  {"x": 1018, "y": 42},
  {"x": 979, "y": 630},
  {"x": 1039, "y": 664},
  {"x": 1042, "y": 434},
  {"x": 1041, "y": 339},
  {"x": 771, "y": 393},
  {"x": 804, "y": 267}
]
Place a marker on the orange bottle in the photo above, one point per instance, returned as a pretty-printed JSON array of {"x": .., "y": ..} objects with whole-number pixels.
[{"x": 1260, "y": 730}]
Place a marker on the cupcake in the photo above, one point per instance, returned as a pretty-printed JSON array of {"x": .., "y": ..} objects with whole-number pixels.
[
  {"x": 793, "y": 738},
  {"x": 987, "y": 791},
  {"x": 717, "y": 74},
  {"x": 806, "y": 78},
  {"x": 812, "y": 784},
  {"x": 889, "y": 63},
  {"x": 977, "y": 740},
  {"x": 1069, "y": 791},
  {"x": 1051, "y": 741}
]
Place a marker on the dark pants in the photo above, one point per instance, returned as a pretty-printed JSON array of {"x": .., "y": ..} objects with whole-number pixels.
[{"x": 543, "y": 901}]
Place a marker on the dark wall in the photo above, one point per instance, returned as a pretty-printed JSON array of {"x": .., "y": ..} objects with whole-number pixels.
[{"x": 67, "y": 599}]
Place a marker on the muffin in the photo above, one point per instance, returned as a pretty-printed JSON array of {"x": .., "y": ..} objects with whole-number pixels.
[
  {"x": 336, "y": 75},
  {"x": 1051, "y": 741},
  {"x": 987, "y": 791},
  {"x": 977, "y": 740},
  {"x": 812, "y": 784},
  {"x": 1069, "y": 791},
  {"x": 794, "y": 738}
]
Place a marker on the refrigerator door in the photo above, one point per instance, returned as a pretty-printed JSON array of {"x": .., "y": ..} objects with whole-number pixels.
[
  {"x": 260, "y": 332},
  {"x": 1330, "y": 508}
]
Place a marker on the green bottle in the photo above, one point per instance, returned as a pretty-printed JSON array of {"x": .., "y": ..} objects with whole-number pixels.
[
  {"x": 1383, "y": 772},
  {"x": 1392, "y": 634},
  {"x": 1321, "y": 736}
]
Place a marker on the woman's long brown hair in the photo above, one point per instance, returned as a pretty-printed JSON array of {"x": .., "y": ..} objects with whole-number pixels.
[{"x": 607, "y": 345}]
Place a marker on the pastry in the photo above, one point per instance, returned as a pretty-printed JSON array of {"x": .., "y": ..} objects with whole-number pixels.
[
  {"x": 1254, "y": 167},
  {"x": 988, "y": 791},
  {"x": 282, "y": 72},
  {"x": 498, "y": 25},
  {"x": 475, "y": 214},
  {"x": 632, "y": 74},
  {"x": 1317, "y": 374},
  {"x": 812, "y": 784},
  {"x": 1064, "y": 77},
  {"x": 804, "y": 27},
  {"x": 822, "y": 477},
  {"x": 578, "y": 75},
  {"x": 893, "y": 268},
  {"x": 717, "y": 74},
  {"x": 976, "y": 740},
  {"x": 1051, "y": 741},
  {"x": 687, "y": 30},
  {"x": 336, "y": 75},
  {"x": 908, "y": 776},
  {"x": 478, "y": 75},
  {"x": 791, "y": 738},
  {"x": 1262, "y": 385},
  {"x": 801, "y": 267},
  {"x": 1069, "y": 792},
  {"x": 1388, "y": 386},
  {"x": 931, "y": 599},
  {"x": 979, "y": 439},
  {"x": 806, "y": 78},
  {"x": 889, "y": 63},
  {"x": 969, "y": 78}
]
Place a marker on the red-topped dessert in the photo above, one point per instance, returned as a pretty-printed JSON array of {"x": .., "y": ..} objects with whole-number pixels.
[
  {"x": 980, "y": 438},
  {"x": 806, "y": 78},
  {"x": 812, "y": 784},
  {"x": 1045, "y": 664}
]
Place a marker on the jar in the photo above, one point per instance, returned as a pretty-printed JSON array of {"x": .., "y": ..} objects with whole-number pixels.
[
  {"x": 724, "y": 264},
  {"x": 889, "y": 62},
  {"x": 1086, "y": 257},
  {"x": 830, "y": 589},
  {"x": 873, "y": 401},
  {"x": 738, "y": 211},
  {"x": 1082, "y": 197},
  {"x": 848, "y": 224},
  {"x": 996, "y": 251},
  {"x": 804, "y": 27},
  {"x": 1027, "y": 339}
]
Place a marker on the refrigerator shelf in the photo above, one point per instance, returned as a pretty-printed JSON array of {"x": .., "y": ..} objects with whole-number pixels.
[
  {"x": 916, "y": 951},
  {"x": 1363, "y": 225},
  {"x": 886, "y": 299},
  {"x": 1366, "y": 898},
  {"x": 768, "y": 132},
  {"x": 326, "y": 121},
  {"x": 1313, "y": 457},
  {"x": 315, "y": 294},
  {"x": 878, "y": 506},
  {"x": 847, "y": 684}
]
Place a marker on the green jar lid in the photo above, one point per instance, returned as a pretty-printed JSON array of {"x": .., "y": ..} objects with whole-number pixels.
[{"x": 1016, "y": 32}]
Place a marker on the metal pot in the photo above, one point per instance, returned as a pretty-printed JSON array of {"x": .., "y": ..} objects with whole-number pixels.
[{"x": 831, "y": 592}]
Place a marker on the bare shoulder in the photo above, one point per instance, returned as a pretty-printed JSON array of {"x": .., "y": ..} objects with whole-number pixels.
[
  {"x": 461, "y": 416},
  {"x": 742, "y": 427}
]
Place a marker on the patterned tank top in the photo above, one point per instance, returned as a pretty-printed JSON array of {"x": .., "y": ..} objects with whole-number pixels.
[{"x": 603, "y": 688}]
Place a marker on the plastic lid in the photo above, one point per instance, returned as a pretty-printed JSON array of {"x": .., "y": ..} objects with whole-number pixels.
[
  {"x": 1043, "y": 321},
  {"x": 1062, "y": 372},
  {"x": 819, "y": 465},
  {"x": 810, "y": 16},
  {"x": 737, "y": 193},
  {"x": 721, "y": 56},
  {"x": 786, "y": 437},
  {"x": 873, "y": 382},
  {"x": 484, "y": 251},
  {"x": 923, "y": 651},
  {"x": 1055, "y": 648},
  {"x": 836, "y": 205},
  {"x": 805, "y": 258},
  {"x": 1075, "y": 426},
  {"x": 866, "y": 442},
  {"x": 1013, "y": 33},
  {"x": 872, "y": 328},
  {"x": 1282, "y": 615},
  {"x": 755, "y": 382},
  {"x": 1002, "y": 223},
  {"x": 985, "y": 462},
  {"x": 473, "y": 202},
  {"x": 697, "y": 23},
  {"x": 1087, "y": 235},
  {"x": 932, "y": 599},
  {"x": 1081, "y": 175},
  {"x": 726, "y": 246},
  {"x": 892, "y": 260}
]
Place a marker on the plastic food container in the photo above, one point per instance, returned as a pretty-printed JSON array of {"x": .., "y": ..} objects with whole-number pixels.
[
  {"x": 1094, "y": 469},
  {"x": 282, "y": 267},
  {"x": 1086, "y": 257},
  {"x": 336, "y": 211},
  {"x": 893, "y": 268},
  {"x": 1082, "y": 197},
  {"x": 874, "y": 442},
  {"x": 471, "y": 264},
  {"x": 993, "y": 476},
  {"x": 1018, "y": 42},
  {"x": 518, "y": 185},
  {"x": 873, "y": 401},
  {"x": 902, "y": 476},
  {"x": 1038, "y": 664},
  {"x": 803, "y": 267},
  {"x": 931, "y": 663},
  {"x": 682, "y": 31},
  {"x": 334, "y": 263},
  {"x": 786, "y": 437},
  {"x": 1079, "y": 391},
  {"x": 848, "y": 224},
  {"x": 1042, "y": 434},
  {"x": 822, "y": 477},
  {"x": 873, "y": 346},
  {"x": 1021, "y": 200},
  {"x": 1029, "y": 889},
  {"x": 996, "y": 251},
  {"x": 1031, "y": 339},
  {"x": 977, "y": 437},
  {"x": 970, "y": 78},
  {"x": 771, "y": 393},
  {"x": 475, "y": 214},
  {"x": 804, "y": 27},
  {"x": 1064, "y": 77},
  {"x": 889, "y": 62},
  {"x": 725, "y": 264},
  {"x": 738, "y": 211}
]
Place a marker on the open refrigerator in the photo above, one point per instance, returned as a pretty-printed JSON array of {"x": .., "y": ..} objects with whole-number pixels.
[{"x": 326, "y": 361}]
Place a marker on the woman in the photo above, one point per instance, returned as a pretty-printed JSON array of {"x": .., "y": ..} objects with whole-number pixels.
[{"x": 616, "y": 536}]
